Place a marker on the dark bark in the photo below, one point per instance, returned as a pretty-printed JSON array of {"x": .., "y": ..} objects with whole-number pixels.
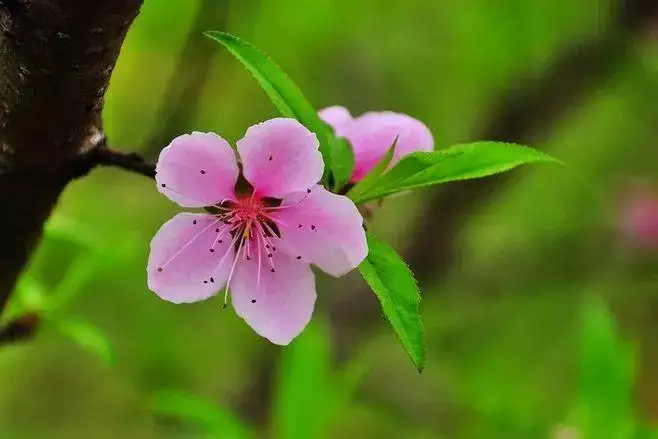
[{"x": 56, "y": 57}]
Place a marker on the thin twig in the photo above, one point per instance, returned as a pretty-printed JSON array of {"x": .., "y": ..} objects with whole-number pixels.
[{"x": 129, "y": 161}]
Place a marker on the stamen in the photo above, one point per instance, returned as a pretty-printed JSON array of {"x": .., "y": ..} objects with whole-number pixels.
[
  {"x": 235, "y": 261},
  {"x": 187, "y": 244}
]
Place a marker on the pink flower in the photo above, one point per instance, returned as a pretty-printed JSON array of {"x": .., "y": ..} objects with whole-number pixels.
[
  {"x": 372, "y": 134},
  {"x": 639, "y": 216},
  {"x": 259, "y": 243}
]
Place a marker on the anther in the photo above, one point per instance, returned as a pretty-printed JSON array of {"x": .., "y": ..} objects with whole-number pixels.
[
  {"x": 163, "y": 185},
  {"x": 194, "y": 222},
  {"x": 272, "y": 270},
  {"x": 216, "y": 230},
  {"x": 203, "y": 172},
  {"x": 160, "y": 269},
  {"x": 270, "y": 159},
  {"x": 253, "y": 300},
  {"x": 212, "y": 250},
  {"x": 205, "y": 281},
  {"x": 273, "y": 249},
  {"x": 299, "y": 258},
  {"x": 312, "y": 227},
  {"x": 308, "y": 191},
  {"x": 299, "y": 226},
  {"x": 269, "y": 255},
  {"x": 212, "y": 280}
]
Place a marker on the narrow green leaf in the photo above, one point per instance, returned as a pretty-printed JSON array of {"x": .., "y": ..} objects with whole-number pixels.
[
  {"x": 220, "y": 423},
  {"x": 395, "y": 287},
  {"x": 303, "y": 375},
  {"x": 89, "y": 337},
  {"x": 607, "y": 372},
  {"x": 459, "y": 162},
  {"x": 370, "y": 180},
  {"x": 291, "y": 102}
]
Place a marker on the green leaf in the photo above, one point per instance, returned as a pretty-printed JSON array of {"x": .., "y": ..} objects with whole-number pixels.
[
  {"x": 304, "y": 375},
  {"x": 460, "y": 162},
  {"x": 607, "y": 372},
  {"x": 395, "y": 287},
  {"x": 220, "y": 423},
  {"x": 370, "y": 180},
  {"x": 291, "y": 102},
  {"x": 342, "y": 159},
  {"x": 89, "y": 337}
]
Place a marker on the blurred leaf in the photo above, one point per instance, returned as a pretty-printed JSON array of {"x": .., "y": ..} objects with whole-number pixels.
[
  {"x": 645, "y": 431},
  {"x": 220, "y": 423},
  {"x": 459, "y": 162},
  {"x": 66, "y": 229},
  {"x": 29, "y": 297},
  {"x": 395, "y": 287},
  {"x": 370, "y": 180},
  {"x": 89, "y": 337},
  {"x": 83, "y": 268},
  {"x": 604, "y": 407},
  {"x": 304, "y": 391},
  {"x": 291, "y": 102}
]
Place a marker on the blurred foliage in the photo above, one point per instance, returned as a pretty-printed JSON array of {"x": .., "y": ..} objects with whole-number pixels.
[{"x": 507, "y": 351}]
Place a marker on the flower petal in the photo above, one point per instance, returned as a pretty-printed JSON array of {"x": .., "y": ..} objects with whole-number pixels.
[
  {"x": 190, "y": 259},
  {"x": 323, "y": 228},
  {"x": 336, "y": 117},
  {"x": 277, "y": 305},
  {"x": 372, "y": 134},
  {"x": 280, "y": 156},
  {"x": 197, "y": 170}
]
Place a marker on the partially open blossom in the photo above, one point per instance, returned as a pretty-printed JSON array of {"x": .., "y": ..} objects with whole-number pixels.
[
  {"x": 259, "y": 242},
  {"x": 372, "y": 134},
  {"x": 639, "y": 215}
]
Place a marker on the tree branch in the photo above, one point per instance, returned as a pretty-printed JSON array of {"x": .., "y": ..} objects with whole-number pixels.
[
  {"x": 56, "y": 57},
  {"x": 102, "y": 155}
]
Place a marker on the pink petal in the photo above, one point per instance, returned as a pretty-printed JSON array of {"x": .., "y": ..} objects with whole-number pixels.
[
  {"x": 323, "y": 228},
  {"x": 277, "y": 305},
  {"x": 197, "y": 170},
  {"x": 280, "y": 156},
  {"x": 190, "y": 259},
  {"x": 639, "y": 216},
  {"x": 337, "y": 117},
  {"x": 372, "y": 134}
]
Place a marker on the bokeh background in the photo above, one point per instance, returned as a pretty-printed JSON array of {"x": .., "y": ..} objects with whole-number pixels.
[{"x": 540, "y": 307}]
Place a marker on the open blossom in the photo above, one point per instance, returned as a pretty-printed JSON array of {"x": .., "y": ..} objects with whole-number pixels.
[
  {"x": 259, "y": 242},
  {"x": 372, "y": 134}
]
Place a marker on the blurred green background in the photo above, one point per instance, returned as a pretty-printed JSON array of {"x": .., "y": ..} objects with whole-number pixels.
[{"x": 540, "y": 315}]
